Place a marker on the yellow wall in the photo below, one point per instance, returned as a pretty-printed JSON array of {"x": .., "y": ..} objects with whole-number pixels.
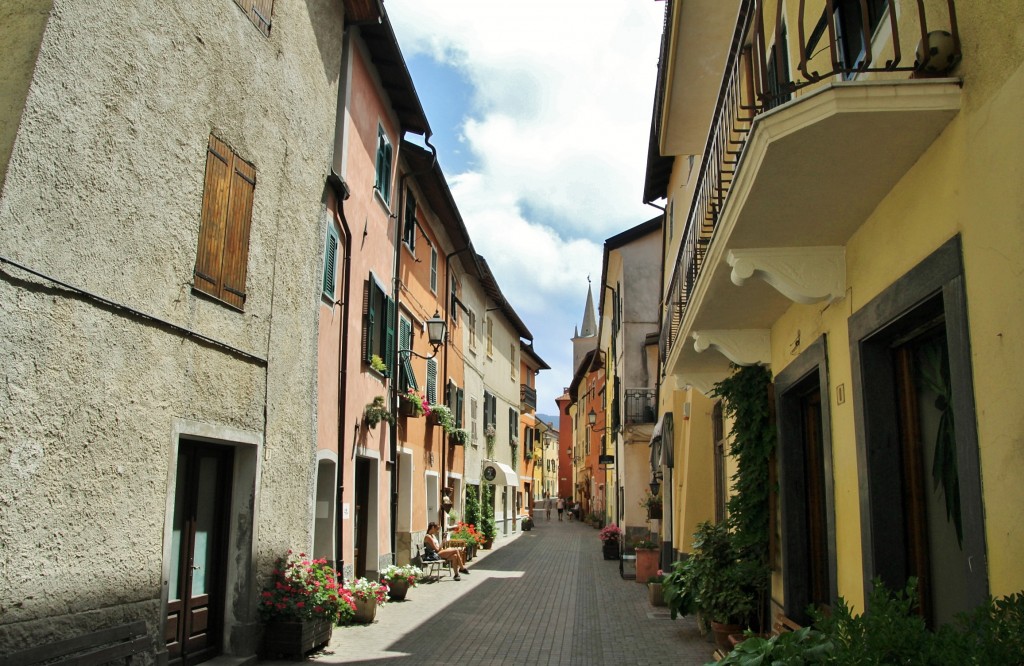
[
  {"x": 968, "y": 183},
  {"x": 693, "y": 475}
]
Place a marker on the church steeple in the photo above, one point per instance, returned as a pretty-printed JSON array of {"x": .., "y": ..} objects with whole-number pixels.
[{"x": 589, "y": 317}]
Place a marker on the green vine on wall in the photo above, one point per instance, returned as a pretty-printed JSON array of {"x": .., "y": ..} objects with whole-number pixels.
[{"x": 747, "y": 401}]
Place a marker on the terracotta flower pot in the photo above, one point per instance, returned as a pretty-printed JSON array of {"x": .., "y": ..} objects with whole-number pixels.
[
  {"x": 366, "y": 610},
  {"x": 397, "y": 589},
  {"x": 646, "y": 564},
  {"x": 721, "y": 632}
]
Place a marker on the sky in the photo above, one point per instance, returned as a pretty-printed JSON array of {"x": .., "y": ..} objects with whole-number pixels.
[{"x": 541, "y": 113}]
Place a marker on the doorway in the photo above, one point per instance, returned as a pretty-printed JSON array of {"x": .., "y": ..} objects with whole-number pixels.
[{"x": 198, "y": 563}]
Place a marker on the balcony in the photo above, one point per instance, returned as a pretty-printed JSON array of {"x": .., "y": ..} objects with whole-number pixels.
[
  {"x": 796, "y": 159},
  {"x": 640, "y": 406},
  {"x": 527, "y": 398}
]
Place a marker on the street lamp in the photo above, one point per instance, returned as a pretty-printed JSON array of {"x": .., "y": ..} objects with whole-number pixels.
[{"x": 437, "y": 332}]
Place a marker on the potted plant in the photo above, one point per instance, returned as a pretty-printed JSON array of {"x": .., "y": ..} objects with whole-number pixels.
[
  {"x": 458, "y": 436},
  {"x": 724, "y": 585},
  {"x": 653, "y": 505},
  {"x": 487, "y": 525},
  {"x": 677, "y": 589},
  {"x": 646, "y": 559},
  {"x": 413, "y": 404},
  {"x": 399, "y": 579},
  {"x": 609, "y": 537},
  {"x": 376, "y": 412},
  {"x": 442, "y": 416},
  {"x": 300, "y": 605},
  {"x": 468, "y": 533},
  {"x": 366, "y": 595},
  {"x": 378, "y": 364},
  {"x": 489, "y": 434},
  {"x": 654, "y": 589}
]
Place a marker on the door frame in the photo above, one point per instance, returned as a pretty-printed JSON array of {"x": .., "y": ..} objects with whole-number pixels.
[
  {"x": 239, "y": 622},
  {"x": 940, "y": 275}
]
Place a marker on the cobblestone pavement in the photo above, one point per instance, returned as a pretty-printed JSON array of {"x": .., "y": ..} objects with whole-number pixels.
[{"x": 543, "y": 597}]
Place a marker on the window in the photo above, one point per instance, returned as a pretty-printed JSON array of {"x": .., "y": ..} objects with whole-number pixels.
[
  {"x": 778, "y": 72},
  {"x": 383, "y": 178},
  {"x": 407, "y": 378},
  {"x": 409, "y": 229},
  {"x": 331, "y": 264},
  {"x": 853, "y": 45},
  {"x": 456, "y": 397},
  {"x": 490, "y": 336},
  {"x": 259, "y": 12},
  {"x": 431, "y": 381},
  {"x": 378, "y": 325},
  {"x": 513, "y": 425},
  {"x": 453, "y": 304},
  {"x": 433, "y": 269},
  {"x": 472, "y": 421},
  {"x": 512, "y": 360},
  {"x": 471, "y": 318},
  {"x": 490, "y": 409},
  {"x": 223, "y": 250}
]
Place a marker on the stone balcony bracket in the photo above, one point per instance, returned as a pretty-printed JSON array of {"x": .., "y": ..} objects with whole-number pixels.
[
  {"x": 741, "y": 346},
  {"x": 801, "y": 274}
]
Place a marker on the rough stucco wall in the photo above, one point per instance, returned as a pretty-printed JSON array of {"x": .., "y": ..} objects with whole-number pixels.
[
  {"x": 103, "y": 191},
  {"x": 22, "y": 23}
]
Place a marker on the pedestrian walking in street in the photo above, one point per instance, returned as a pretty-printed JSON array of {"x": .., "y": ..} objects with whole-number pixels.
[
  {"x": 547, "y": 508},
  {"x": 561, "y": 508}
]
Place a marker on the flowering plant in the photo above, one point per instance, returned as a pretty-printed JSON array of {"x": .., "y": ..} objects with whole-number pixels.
[
  {"x": 378, "y": 364},
  {"x": 651, "y": 501},
  {"x": 489, "y": 431},
  {"x": 468, "y": 533},
  {"x": 377, "y": 411},
  {"x": 301, "y": 588},
  {"x": 420, "y": 406},
  {"x": 364, "y": 589},
  {"x": 645, "y": 544},
  {"x": 610, "y": 532},
  {"x": 444, "y": 417},
  {"x": 657, "y": 578},
  {"x": 409, "y": 573},
  {"x": 459, "y": 436}
]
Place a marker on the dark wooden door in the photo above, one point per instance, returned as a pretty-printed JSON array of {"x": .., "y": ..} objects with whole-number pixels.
[
  {"x": 362, "y": 514},
  {"x": 195, "y": 604}
]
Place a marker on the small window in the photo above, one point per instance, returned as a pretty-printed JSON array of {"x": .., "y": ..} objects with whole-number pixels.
[
  {"x": 259, "y": 12},
  {"x": 471, "y": 318},
  {"x": 378, "y": 327},
  {"x": 512, "y": 360},
  {"x": 222, "y": 255},
  {"x": 490, "y": 336},
  {"x": 409, "y": 230},
  {"x": 331, "y": 264},
  {"x": 453, "y": 304},
  {"x": 433, "y": 269},
  {"x": 383, "y": 177}
]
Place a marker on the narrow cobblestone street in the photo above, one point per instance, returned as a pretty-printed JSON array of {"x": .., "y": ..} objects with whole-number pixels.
[{"x": 544, "y": 597}]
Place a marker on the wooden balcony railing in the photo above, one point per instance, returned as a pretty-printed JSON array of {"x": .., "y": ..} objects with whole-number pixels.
[{"x": 757, "y": 79}]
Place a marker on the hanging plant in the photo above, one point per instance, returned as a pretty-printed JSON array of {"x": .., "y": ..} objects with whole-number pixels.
[
  {"x": 489, "y": 434},
  {"x": 443, "y": 417},
  {"x": 376, "y": 412}
]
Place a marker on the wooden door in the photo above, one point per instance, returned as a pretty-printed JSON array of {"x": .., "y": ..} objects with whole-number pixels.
[{"x": 195, "y": 605}]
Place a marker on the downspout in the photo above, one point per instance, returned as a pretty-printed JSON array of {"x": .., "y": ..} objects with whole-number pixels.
[
  {"x": 341, "y": 193},
  {"x": 396, "y": 278},
  {"x": 667, "y": 488}
]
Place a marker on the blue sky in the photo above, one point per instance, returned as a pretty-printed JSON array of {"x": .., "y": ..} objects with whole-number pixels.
[{"x": 541, "y": 111}]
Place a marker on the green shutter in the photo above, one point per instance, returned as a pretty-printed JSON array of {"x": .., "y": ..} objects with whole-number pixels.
[
  {"x": 432, "y": 381},
  {"x": 460, "y": 400},
  {"x": 389, "y": 332},
  {"x": 371, "y": 319}
]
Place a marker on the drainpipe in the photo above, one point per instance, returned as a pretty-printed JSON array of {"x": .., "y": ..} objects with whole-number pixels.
[
  {"x": 395, "y": 282},
  {"x": 448, "y": 300},
  {"x": 341, "y": 193}
]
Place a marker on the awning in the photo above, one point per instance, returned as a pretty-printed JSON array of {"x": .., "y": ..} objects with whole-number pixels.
[
  {"x": 661, "y": 446},
  {"x": 499, "y": 474}
]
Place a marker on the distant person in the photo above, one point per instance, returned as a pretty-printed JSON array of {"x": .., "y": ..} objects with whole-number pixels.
[
  {"x": 547, "y": 508},
  {"x": 575, "y": 509},
  {"x": 561, "y": 508},
  {"x": 433, "y": 550}
]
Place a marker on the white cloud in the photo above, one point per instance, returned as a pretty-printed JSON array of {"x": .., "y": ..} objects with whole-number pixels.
[{"x": 557, "y": 128}]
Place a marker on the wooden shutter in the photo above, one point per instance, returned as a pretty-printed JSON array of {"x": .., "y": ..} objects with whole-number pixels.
[
  {"x": 369, "y": 318},
  {"x": 389, "y": 333},
  {"x": 223, "y": 254},
  {"x": 330, "y": 262},
  {"x": 432, "y": 381},
  {"x": 259, "y": 12},
  {"x": 460, "y": 399},
  {"x": 408, "y": 377}
]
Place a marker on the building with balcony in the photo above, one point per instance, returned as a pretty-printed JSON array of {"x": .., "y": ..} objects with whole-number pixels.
[{"x": 838, "y": 210}]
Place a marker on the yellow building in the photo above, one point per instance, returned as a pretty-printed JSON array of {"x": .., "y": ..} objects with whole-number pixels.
[{"x": 852, "y": 218}]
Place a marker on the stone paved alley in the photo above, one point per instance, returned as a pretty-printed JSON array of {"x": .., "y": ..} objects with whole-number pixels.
[{"x": 544, "y": 597}]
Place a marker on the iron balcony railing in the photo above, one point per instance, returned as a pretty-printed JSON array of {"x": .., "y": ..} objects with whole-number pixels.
[
  {"x": 527, "y": 397},
  {"x": 640, "y": 406},
  {"x": 758, "y": 79}
]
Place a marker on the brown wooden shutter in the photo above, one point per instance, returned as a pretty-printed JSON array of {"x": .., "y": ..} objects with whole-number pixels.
[
  {"x": 222, "y": 255},
  {"x": 236, "y": 234},
  {"x": 214, "y": 217},
  {"x": 259, "y": 12}
]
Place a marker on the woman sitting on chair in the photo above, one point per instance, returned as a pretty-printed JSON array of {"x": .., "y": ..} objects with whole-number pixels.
[{"x": 433, "y": 550}]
